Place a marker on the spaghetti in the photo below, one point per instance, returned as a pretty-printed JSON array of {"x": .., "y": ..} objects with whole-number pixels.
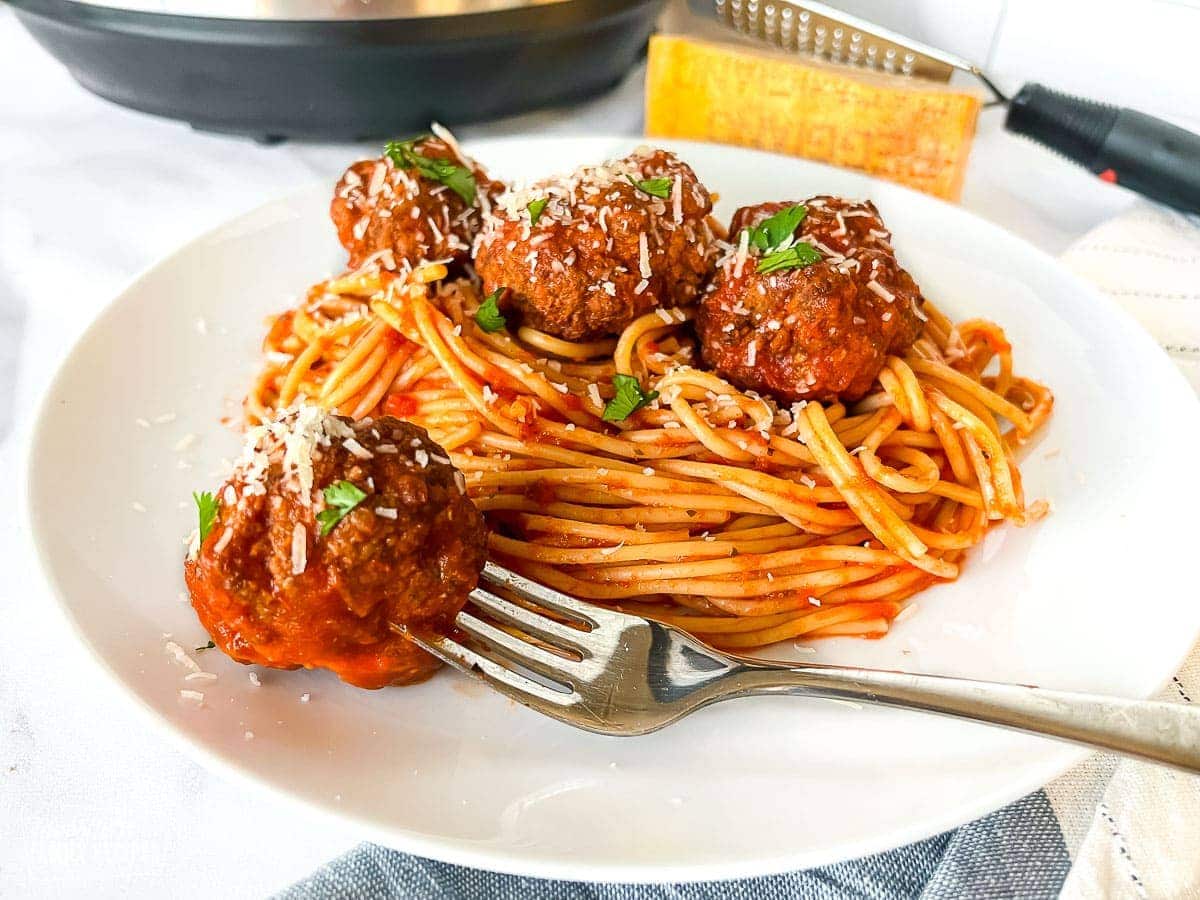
[{"x": 711, "y": 508}]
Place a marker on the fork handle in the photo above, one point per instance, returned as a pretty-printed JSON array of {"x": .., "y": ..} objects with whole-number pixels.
[{"x": 1161, "y": 732}]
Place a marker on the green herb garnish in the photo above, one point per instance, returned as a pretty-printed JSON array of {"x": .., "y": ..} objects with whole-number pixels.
[
  {"x": 629, "y": 398},
  {"x": 770, "y": 234},
  {"x": 536, "y": 207},
  {"x": 458, "y": 179},
  {"x": 207, "y": 646},
  {"x": 655, "y": 187},
  {"x": 488, "y": 316},
  {"x": 206, "y": 506},
  {"x": 795, "y": 257},
  {"x": 340, "y": 498}
]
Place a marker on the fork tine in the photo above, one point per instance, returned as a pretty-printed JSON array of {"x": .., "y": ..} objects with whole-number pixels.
[
  {"x": 532, "y": 623},
  {"x": 520, "y": 652},
  {"x": 541, "y": 595},
  {"x": 512, "y": 684}
]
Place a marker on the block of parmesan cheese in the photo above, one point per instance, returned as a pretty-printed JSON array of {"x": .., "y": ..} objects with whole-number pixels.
[{"x": 911, "y": 131}]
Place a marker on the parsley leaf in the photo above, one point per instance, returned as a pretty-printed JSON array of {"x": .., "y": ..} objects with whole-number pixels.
[
  {"x": 535, "y": 208},
  {"x": 798, "y": 256},
  {"x": 488, "y": 316},
  {"x": 340, "y": 498},
  {"x": 206, "y": 506},
  {"x": 629, "y": 398},
  {"x": 655, "y": 187},
  {"x": 207, "y": 646},
  {"x": 458, "y": 179},
  {"x": 770, "y": 233}
]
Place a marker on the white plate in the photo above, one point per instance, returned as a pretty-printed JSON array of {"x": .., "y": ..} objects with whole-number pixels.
[{"x": 1092, "y": 598}]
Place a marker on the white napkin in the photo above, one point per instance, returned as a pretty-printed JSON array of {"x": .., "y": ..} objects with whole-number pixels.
[
  {"x": 1132, "y": 828},
  {"x": 1148, "y": 260}
]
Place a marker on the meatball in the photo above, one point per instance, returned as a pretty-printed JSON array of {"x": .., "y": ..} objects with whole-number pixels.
[
  {"x": 379, "y": 206},
  {"x": 328, "y": 533},
  {"x": 602, "y": 250},
  {"x": 821, "y": 331}
]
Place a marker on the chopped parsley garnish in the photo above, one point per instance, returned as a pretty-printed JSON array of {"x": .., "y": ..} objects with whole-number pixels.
[
  {"x": 340, "y": 498},
  {"x": 796, "y": 256},
  {"x": 206, "y": 506},
  {"x": 488, "y": 316},
  {"x": 207, "y": 646},
  {"x": 655, "y": 187},
  {"x": 536, "y": 207},
  {"x": 629, "y": 398},
  {"x": 458, "y": 179},
  {"x": 771, "y": 234}
]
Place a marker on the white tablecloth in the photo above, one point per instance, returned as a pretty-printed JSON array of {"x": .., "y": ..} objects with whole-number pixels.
[{"x": 91, "y": 800}]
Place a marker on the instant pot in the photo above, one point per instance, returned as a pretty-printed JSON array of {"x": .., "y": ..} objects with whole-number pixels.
[{"x": 340, "y": 69}]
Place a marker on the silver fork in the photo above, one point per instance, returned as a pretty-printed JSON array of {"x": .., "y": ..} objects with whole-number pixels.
[{"x": 620, "y": 674}]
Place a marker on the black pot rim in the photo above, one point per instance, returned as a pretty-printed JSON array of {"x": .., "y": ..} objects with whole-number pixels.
[{"x": 532, "y": 19}]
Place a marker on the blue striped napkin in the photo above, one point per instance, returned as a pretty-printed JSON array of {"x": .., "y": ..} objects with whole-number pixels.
[{"x": 1017, "y": 851}]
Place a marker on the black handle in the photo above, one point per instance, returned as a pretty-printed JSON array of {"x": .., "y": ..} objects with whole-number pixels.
[{"x": 1122, "y": 146}]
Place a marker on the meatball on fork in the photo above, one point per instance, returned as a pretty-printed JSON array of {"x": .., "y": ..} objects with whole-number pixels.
[{"x": 330, "y": 535}]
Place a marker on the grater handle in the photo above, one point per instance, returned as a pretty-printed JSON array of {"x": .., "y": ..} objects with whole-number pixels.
[{"x": 1122, "y": 146}]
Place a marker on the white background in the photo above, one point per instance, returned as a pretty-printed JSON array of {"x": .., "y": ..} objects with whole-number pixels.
[{"x": 93, "y": 800}]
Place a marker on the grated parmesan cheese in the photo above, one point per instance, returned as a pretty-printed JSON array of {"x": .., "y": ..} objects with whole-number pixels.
[
  {"x": 743, "y": 251},
  {"x": 378, "y": 173},
  {"x": 299, "y": 549},
  {"x": 181, "y": 657},
  {"x": 357, "y": 449},
  {"x": 880, "y": 291}
]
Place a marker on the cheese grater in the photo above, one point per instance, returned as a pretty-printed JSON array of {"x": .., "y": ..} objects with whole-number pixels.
[{"x": 1119, "y": 145}]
